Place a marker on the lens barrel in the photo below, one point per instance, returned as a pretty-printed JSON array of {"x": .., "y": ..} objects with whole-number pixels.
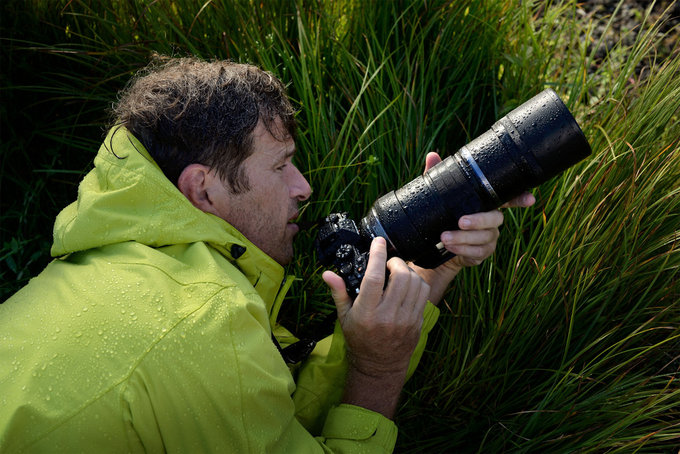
[{"x": 533, "y": 143}]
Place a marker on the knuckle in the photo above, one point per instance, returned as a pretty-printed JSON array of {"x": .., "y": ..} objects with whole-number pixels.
[
  {"x": 373, "y": 279},
  {"x": 495, "y": 233},
  {"x": 396, "y": 263},
  {"x": 400, "y": 273},
  {"x": 482, "y": 253},
  {"x": 477, "y": 253}
]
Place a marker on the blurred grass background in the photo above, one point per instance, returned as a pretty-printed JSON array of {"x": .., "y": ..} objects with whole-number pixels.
[{"x": 568, "y": 338}]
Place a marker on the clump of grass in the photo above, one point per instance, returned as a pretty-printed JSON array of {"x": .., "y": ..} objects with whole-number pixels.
[{"x": 567, "y": 339}]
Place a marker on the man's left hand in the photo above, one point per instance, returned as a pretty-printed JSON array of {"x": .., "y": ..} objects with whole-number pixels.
[{"x": 472, "y": 244}]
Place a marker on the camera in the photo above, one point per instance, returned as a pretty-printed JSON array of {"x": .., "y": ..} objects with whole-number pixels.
[{"x": 533, "y": 143}]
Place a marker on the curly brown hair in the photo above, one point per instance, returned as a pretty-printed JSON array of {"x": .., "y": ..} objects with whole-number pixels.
[{"x": 186, "y": 110}]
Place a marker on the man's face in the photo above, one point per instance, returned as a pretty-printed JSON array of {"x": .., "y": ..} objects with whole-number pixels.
[{"x": 264, "y": 212}]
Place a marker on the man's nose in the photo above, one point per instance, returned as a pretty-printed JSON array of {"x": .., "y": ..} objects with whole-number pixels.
[{"x": 300, "y": 189}]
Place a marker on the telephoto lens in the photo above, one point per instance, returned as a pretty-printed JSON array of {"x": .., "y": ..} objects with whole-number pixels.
[{"x": 533, "y": 143}]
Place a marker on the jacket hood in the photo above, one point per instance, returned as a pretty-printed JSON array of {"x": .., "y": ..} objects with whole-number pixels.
[{"x": 126, "y": 197}]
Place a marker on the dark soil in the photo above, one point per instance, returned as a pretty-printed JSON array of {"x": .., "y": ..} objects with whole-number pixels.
[{"x": 628, "y": 20}]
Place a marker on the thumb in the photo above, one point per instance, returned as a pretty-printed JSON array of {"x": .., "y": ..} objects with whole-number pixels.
[
  {"x": 343, "y": 302},
  {"x": 431, "y": 160}
]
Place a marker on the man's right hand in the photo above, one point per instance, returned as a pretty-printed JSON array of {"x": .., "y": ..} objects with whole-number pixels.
[{"x": 381, "y": 328}]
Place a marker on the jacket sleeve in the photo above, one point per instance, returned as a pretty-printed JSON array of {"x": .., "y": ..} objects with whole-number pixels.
[
  {"x": 321, "y": 379},
  {"x": 216, "y": 383}
]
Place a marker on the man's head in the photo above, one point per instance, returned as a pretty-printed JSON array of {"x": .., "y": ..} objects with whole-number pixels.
[
  {"x": 224, "y": 134},
  {"x": 185, "y": 111}
]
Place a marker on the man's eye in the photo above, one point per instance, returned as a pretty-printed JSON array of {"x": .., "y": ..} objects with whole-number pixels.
[{"x": 281, "y": 167}]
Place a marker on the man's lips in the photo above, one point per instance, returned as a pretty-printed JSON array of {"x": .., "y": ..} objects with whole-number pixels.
[
  {"x": 291, "y": 222},
  {"x": 293, "y": 219}
]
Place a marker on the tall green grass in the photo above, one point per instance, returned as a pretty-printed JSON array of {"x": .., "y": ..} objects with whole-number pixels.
[{"x": 568, "y": 338}]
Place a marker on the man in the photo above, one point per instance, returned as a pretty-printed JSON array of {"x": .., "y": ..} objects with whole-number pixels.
[{"x": 152, "y": 328}]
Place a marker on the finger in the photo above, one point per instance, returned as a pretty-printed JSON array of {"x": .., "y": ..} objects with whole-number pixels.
[
  {"x": 473, "y": 254},
  {"x": 431, "y": 160},
  {"x": 374, "y": 279},
  {"x": 523, "y": 200},
  {"x": 469, "y": 237},
  {"x": 421, "y": 301},
  {"x": 412, "y": 292},
  {"x": 399, "y": 281},
  {"x": 481, "y": 221},
  {"x": 343, "y": 302}
]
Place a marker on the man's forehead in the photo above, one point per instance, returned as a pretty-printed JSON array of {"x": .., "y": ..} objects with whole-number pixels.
[{"x": 279, "y": 145}]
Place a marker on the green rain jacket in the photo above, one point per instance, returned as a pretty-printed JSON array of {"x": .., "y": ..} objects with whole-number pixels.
[{"x": 147, "y": 333}]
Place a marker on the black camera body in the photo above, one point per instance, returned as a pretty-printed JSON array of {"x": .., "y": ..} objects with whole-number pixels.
[
  {"x": 340, "y": 245},
  {"x": 533, "y": 143}
]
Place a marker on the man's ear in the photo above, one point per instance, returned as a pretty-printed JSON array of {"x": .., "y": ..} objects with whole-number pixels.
[{"x": 195, "y": 182}]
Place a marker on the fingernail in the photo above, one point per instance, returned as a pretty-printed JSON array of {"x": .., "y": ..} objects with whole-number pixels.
[
  {"x": 447, "y": 237},
  {"x": 464, "y": 223}
]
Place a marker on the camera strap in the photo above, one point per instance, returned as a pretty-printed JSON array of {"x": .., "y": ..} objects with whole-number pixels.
[{"x": 299, "y": 351}]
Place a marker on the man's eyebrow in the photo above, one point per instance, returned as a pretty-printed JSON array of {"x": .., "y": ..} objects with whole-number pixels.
[
  {"x": 289, "y": 153},
  {"x": 284, "y": 155}
]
